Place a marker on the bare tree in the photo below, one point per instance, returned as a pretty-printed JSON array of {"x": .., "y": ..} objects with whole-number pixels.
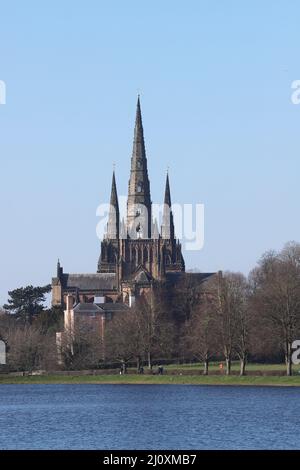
[
  {"x": 142, "y": 333},
  {"x": 185, "y": 298},
  {"x": 156, "y": 326},
  {"x": 83, "y": 347},
  {"x": 231, "y": 324},
  {"x": 200, "y": 332},
  {"x": 276, "y": 293},
  {"x": 124, "y": 339},
  {"x": 30, "y": 349},
  {"x": 242, "y": 320}
]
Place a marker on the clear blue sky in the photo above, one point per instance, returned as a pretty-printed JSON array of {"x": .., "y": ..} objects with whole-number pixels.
[{"x": 215, "y": 83}]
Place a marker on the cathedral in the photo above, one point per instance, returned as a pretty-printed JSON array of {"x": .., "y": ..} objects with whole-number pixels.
[{"x": 136, "y": 254}]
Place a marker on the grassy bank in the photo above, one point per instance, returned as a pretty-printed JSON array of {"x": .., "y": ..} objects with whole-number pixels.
[
  {"x": 214, "y": 366},
  {"x": 150, "y": 379}
]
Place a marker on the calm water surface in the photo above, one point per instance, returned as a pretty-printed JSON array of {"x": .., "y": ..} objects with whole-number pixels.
[{"x": 148, "y": 417}]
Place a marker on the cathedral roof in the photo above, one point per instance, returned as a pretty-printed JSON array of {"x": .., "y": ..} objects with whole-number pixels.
[
  {"x": 177, "y": 277},
  {"x": 99, "y": 281}
]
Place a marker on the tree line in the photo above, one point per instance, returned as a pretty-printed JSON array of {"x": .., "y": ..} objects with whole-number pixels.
[{"x": 228, "y": 317}]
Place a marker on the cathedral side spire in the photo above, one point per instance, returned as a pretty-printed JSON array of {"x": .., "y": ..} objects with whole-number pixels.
[
  {"x": 113, "y": 194},
  {"x": 167, "y": 192},
  {"x": 167, "y": 228},
  {"x": 114, "y": 214}
]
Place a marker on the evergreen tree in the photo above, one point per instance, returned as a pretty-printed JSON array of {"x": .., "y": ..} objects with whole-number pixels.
[{"x": 27, "y": 302}]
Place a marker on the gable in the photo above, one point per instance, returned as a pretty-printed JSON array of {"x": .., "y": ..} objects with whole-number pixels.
[{"x": 142, "y": 276}]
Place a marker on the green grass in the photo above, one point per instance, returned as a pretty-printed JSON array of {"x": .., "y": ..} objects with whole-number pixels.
[
  {"x": 213, "y": 366},
  {"x": 176, "y": 378},
  {"x": 150, "y": 379}
]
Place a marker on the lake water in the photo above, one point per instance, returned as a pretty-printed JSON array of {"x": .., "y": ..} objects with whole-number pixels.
[{"x": 148, "y": 417}]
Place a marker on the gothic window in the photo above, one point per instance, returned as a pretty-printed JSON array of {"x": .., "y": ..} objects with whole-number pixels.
[
  {"x": 139, "y": 164},
  {"x": 139, "y": 256},
  {"x": 136, "y": 256},
  {"x": 139, "y": 187}
]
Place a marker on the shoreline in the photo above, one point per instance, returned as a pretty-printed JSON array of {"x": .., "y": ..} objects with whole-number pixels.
[{"x": 131, "y": 379}]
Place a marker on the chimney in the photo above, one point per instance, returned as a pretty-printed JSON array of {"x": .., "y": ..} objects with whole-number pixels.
[
  {"x": 69, "y": 315},
  {"x": 69, "y": 302}
]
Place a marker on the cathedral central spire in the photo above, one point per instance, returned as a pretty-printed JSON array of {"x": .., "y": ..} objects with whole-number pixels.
[{"x": 139, "y": 198}]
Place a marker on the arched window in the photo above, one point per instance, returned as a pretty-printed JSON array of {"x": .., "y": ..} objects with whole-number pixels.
[
  {"x": 136, "y": 255},
  {"x": 139, "y": 187},
  {"x": 139, "y": 255}
]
